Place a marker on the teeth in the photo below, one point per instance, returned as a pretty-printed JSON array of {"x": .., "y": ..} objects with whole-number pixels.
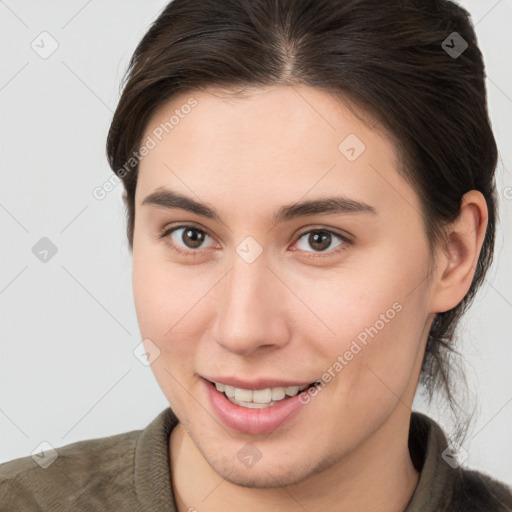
[
  {"x": 292, "y": 390},
  {"x": 278, "y": 393},
  {"x": 251, "y": 405},
  {"x": 258, "y": 398},
  {"x": 243, "y": 395},
  {"x": 229, "y": 390},
  {"x": 262, "y": 396}
]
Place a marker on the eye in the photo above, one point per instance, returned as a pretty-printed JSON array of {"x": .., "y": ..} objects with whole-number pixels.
[
  {"x": 185, "y": 239},
  {"x": 188, "y": 240},
  {"x": 320, "y": 240}
]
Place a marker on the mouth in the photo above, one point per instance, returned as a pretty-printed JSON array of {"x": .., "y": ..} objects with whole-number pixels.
[
  {"x": 251, "y": 408},
  {"x": 260, "y": 398}
]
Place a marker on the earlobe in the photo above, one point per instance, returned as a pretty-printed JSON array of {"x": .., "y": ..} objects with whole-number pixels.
[{"x": 458, "y": 258}]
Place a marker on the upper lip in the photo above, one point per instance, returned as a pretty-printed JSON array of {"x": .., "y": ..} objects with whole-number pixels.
[{"x": 261, "y": 383}]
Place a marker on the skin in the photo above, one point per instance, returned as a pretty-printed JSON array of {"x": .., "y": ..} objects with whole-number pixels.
[{"x": 286, "y": 315}]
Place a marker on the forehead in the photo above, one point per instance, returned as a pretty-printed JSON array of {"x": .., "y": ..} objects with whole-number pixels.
[
  {"x": 275, "y": 144},
  {"x": 258, "y": 116}
]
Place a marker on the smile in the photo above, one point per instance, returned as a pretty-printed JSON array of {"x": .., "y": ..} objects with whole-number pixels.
[
  {"x": 258, "y": 398},
  {"x": 255, "y": 409}
]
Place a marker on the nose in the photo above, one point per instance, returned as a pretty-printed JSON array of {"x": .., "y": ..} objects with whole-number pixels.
[{"x": 251, "y": 314}]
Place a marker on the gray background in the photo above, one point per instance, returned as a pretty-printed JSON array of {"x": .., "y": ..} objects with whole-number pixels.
[{"x": 68, "y": 329}]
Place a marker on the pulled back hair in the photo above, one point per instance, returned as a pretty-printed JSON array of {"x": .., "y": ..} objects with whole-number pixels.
[{"x": 386, "y": 57}]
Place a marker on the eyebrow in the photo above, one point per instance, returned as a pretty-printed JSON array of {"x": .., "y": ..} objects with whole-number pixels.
[{"x": 168, "y": 199}]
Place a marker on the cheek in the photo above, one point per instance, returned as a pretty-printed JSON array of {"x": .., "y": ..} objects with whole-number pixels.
[
  {"x": 380, "y": 356},
  {"x": 164, "y": 302},
  {"x": 381, "y": 376},
  {"x": 370, "y": 290},
  {"x": 152, "y": 298},
  {"x": 170, "y": 302},
  {"x": 376, "y": 311},
  {"x": 155, "y": 297}
]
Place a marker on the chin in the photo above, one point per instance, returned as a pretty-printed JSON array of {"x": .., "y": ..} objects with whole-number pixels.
[
  {"x": 271, "y": 471},
  {"x": 262, "y": 477}
]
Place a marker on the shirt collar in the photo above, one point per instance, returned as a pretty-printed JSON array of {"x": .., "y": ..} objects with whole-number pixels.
[
  {"x": 427, "y": 446},
  {"x": 152, "y": 466}
]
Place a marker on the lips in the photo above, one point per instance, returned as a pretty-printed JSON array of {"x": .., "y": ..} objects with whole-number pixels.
[{"x": 252, "y": 420}]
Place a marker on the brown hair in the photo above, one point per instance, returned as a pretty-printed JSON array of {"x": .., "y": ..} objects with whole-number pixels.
[{"x": 393, "y": 59}]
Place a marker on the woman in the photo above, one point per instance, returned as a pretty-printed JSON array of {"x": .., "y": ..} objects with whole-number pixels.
[{"x": 311, "y": 207}]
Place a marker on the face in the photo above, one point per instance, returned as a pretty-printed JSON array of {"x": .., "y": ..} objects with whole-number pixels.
[{"x": 255, "y": 289}]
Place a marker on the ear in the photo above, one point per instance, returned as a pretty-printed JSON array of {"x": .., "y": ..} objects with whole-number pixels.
[{"x": 457, "y": 258}]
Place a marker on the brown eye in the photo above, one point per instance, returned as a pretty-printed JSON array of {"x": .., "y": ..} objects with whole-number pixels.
[
  {"x": 192, "y": 238},
  {"x": 185, "y": 239},
  {"x": 319, "y": 240}
]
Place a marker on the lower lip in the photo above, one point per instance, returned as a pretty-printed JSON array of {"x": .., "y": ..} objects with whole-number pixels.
[{"x": 253, "y": 421}]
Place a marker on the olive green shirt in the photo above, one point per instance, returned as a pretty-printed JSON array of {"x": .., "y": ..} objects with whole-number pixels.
[{"x": 130, "y": 472}]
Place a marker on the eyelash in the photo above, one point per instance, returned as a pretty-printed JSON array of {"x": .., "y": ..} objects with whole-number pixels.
[{"x": 342, "y": 247}]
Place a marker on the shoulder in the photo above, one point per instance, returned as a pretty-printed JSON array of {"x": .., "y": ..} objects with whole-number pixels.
[
  {"x": 445, "y": 485},
  {"x": 70, "y": 475},
  {"x": 475, "y": 491}
]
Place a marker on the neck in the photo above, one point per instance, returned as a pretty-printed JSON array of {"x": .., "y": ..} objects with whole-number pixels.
[{"x": 378, "y": 475}]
